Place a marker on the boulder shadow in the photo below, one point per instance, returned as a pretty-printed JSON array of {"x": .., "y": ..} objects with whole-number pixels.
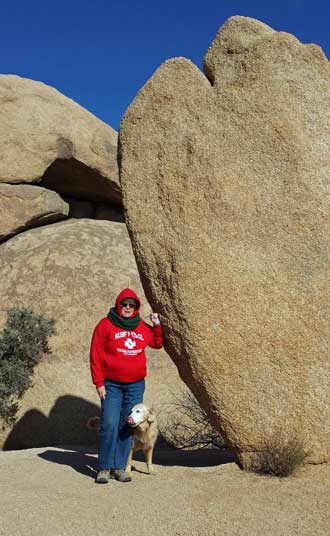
[
  {"x": 84, "y": 460},
  {"x": 189, "y": 458}
]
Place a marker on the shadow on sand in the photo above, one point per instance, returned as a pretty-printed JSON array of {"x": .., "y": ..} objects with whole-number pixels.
[
  {"x": 84, "y": 460},
  {"x": 65, "y": 425}
]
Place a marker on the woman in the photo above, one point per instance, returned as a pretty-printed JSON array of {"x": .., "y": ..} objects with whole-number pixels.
[{"x": 118, "y": 367}]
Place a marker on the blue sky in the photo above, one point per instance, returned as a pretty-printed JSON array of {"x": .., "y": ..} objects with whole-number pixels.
[{"x": 101, "y": 52}]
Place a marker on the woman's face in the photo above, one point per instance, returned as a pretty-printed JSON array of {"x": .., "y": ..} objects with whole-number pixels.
[{"x": 128, "y": 306}]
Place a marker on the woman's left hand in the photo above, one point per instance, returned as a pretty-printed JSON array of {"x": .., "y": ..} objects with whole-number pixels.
[{"x": 154, "y": 317}]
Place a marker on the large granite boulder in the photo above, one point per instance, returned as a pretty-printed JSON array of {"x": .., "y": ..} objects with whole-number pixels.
[
  {"x": 47, "y": 138},
  {"x": 226, "y": 185},
  {"x": 23, "y": 206},
  {"x": 70, "y": 271}
]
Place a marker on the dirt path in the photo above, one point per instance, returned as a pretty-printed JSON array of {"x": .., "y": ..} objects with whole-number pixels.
[{"x": 51, "y": 492}]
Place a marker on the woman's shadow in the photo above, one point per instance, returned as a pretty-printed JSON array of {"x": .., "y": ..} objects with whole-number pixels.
[
  {"x": 83, "y": 460},
  {"x": 65, "y": 425}
]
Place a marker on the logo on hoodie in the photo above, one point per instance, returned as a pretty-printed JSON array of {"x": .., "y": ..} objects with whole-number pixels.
[
  {"x": 131, "y": 334},
  {"x": 129, "y": 343}
]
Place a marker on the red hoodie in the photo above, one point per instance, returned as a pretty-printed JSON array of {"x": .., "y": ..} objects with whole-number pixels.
[{"x": 117, "y": 354}]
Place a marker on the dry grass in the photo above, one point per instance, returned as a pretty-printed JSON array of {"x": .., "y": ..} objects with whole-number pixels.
[
  {"x": 188, "y": 426},
  {"x": 280, "y": 456}
]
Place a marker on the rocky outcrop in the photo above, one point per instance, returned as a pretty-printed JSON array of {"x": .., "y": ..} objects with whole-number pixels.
[
  {"x": 49, "y": 140},
  {"x": 55, "y": 142},
  {"x": 27, "y": 206},
  {"x": 70, "y": 271},
  {"x": 231, "y": 172}
]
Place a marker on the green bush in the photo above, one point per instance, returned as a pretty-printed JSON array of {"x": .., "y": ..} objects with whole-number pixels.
[
  {"x": 280, "y": 457},
  {"x": 23, "y": 342}
]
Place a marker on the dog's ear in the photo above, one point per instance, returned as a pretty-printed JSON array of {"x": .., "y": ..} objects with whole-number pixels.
[{"x": 151, "y": 415}]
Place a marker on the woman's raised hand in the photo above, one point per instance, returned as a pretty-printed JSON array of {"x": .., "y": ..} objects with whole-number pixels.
[{"x": 154, "y": 317}]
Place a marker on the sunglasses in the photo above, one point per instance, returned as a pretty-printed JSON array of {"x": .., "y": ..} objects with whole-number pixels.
[{"x": 128, "y": 304}]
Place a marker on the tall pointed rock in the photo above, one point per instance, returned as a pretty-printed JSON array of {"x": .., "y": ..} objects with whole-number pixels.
[{"x": 226, "y": 184}]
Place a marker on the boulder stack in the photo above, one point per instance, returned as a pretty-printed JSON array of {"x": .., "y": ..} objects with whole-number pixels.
[
  {"x": 47, "y": 138},
  {"x": 59, "y": 162}
]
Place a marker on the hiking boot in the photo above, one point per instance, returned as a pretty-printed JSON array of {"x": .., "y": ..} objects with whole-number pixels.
[
  {"x": 120, "y": 475},
  {"x": 103, "y": 476}
]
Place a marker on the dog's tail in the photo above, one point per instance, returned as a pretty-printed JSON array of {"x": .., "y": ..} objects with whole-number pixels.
[
  {"x": 93, "y": 423},
  {"x": 152, "y": 415}
]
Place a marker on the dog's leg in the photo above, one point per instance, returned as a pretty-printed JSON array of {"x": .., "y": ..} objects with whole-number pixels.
[
  {"x": 128, "y": 468},
  {"x": 148, "y": 456}
]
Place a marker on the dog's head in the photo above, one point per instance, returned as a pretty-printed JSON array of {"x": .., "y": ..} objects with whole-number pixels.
[{"x": 140, "y": 413}]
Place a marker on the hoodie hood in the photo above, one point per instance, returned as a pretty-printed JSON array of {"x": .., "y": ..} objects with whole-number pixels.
[{"x": 127, "y": 293}]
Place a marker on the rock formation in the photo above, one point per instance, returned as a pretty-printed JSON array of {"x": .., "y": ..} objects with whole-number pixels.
[
  {"x": 58, "y": 161},
  {"x": 48, "y": 142},
  {"x": 231, "y": 172},
  {"x": 70, "y": 271},
  {"x": 24, "y": 206},
  {"x": 55, "y": 142}
]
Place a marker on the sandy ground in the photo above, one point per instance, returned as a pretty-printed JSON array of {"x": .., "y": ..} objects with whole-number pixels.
[{"x": 51, "y": 492}]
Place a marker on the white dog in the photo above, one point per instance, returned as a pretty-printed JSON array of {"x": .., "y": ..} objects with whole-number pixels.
[{"x": 143, "y": 420}]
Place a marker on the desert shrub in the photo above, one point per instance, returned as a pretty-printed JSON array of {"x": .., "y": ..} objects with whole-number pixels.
[
  {"x": 188, "y": 426},
  {"x": 280, "y": 457},
  {"x": 23, "y": 341}
]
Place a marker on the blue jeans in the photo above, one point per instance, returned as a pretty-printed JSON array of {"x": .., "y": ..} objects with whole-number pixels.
[{"x": 115, "y": 432}]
